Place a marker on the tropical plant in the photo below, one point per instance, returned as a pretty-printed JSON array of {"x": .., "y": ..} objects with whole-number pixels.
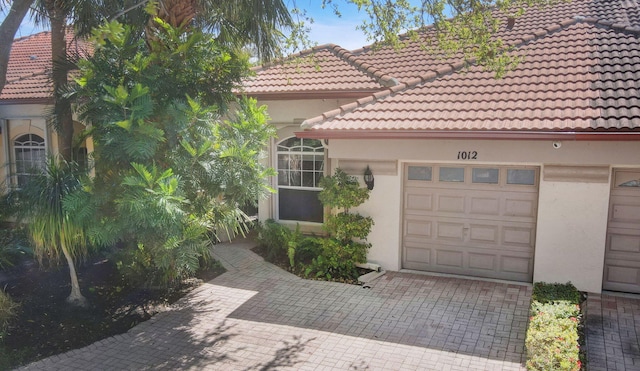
[
  {"x": 173, "y": 162},
  {"x": 348, "y": 231},
  {"x": 54, "y": 231},
  {"x": 342, "y": 192}
]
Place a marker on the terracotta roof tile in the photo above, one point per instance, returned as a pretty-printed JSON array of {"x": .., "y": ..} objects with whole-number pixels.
[
  {"x": 578, "y": 74},
  {"x": 325, "y": 68},
  {"x": 30, "y": 65}
]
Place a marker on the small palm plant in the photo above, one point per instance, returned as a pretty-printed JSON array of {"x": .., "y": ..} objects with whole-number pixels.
[{"x": 54, "y": 231}]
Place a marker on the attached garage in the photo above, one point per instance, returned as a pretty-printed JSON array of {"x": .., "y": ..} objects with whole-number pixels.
[
  {"x": 470, "y": 220},
  {"x": 622, "y": 254},
  {"x": 505, "y": 178}
]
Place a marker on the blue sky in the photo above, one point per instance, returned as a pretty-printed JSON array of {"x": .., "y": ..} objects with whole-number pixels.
[{"x": 327, "y": 27}]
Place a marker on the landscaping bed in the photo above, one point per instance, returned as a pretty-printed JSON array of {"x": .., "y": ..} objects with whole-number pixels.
[
  {"x": 555, "y": 335},
  {"x": 46, "y": 325}
]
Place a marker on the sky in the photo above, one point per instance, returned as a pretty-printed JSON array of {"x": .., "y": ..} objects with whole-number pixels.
[{"x": 327, "y": 27}]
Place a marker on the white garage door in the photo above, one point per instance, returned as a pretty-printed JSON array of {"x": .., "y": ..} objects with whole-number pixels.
[
  {"x": 470, "y": 220},
  {"x": 622, "y": 256}
]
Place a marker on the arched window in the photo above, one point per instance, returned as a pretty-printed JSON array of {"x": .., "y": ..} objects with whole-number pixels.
[
  {"x": 30, "y": 155},
  {"x": 300, "y": 168}
]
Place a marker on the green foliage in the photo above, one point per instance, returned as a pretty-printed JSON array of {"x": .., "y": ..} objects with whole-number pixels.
[
  {"x": 342, "y": 191},
  {"x": 337, "y": 260},
  {"x": 347, "y": 244},
  {"x": 173, "y": 163},
  {"x": 462, "y": 27},
  {"x": 554, "y": 292},
  {"x": 51, "y": 228},
  {"x": 279, "y": 240},
  {"x": 552, "y": 340},
  {"x": 14, "y": 245},
  {"x": 347, "y": 226}
]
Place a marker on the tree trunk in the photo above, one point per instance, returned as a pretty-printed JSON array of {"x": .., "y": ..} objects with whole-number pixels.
[
  {"x": 75, "y": 297},
  {"x": 63, "y": 117},
  {"x": 8, "y": 30}
]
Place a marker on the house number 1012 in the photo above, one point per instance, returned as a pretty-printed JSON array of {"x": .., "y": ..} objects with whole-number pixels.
[{"x": 467, "y": 155}]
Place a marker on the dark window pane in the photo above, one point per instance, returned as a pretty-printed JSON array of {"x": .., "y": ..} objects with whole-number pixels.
[
  {"x": 299, "y": 205},
  {"x": 289, "y": 143}
]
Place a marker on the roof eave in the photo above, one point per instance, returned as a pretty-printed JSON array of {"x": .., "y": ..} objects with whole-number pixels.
[
  {"x": 6, "y": 102},
  {"x": 301, "y": 95},
  {"x": 471, "y": 134}
]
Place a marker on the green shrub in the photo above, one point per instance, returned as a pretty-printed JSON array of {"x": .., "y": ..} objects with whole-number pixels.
[
  {"x": 347, "y": 226},
  {"x": 14, "y": 245},
  {"x": 551, "y": 292},
  {"x": 552, "y": 340},
  {"x": 337, "y": 260},
  {"x": 275, "y": 239}
]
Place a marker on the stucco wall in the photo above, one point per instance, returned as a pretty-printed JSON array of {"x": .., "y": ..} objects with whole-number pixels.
[
  {"x": 385, "y": 233},
  {"x": 20, "y": 119},
  {"x": 571, "y": 231},
  {"x": 572, "y": 214}
]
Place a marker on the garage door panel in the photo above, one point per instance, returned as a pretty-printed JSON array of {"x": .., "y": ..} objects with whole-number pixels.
[
  {"x": 419, "y": 200},
  {"x": 625, "y": 210},
  {"x": 418, "y": 228},
  {"x": 622, "y": 254},
  {"x": 520, "y": 207},
  {"x": 484, "y": 229},
  {"x": 485, "y": 206},
  {"x": 450, "y": 203},
  {"x": 417, "y": 255},
  {"x": 484, "y": 233},
  {"x": 623, "y": 241},
  {"x": 519, "y": 236},
  {"x": 482, "y": 262},
  {"x": 517, "y": 264},
  {"x": 619, "y": 272},
  {"x": 449, "y": 258},
  {"x": 450, "y": 231}
]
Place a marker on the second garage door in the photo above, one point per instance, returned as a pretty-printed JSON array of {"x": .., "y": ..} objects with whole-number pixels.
[
  {"x": 622, "y": 254},
  {"x": 470, "y": 220}
]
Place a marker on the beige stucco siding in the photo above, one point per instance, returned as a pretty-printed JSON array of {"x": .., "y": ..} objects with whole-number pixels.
[
  {"x": 572, "y": 213},
  {"x": 571, "y": 232},
  {"x": 20, "y": 119}
]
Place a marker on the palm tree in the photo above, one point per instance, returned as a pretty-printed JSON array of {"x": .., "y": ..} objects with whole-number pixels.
[{"x": 53, "y": 230}]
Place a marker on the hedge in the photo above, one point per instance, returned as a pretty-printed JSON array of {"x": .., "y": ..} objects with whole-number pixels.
[{"x": 552, "y": 340}]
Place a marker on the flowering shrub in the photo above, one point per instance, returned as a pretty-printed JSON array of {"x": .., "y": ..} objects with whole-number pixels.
[{"x": 552, "y": 337}]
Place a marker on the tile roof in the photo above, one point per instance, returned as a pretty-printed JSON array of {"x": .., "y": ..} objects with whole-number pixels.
[
  {"x": 30, "y": 66},
  {"x": 581, "y": 72},
  {"x": 326, "y": 68}
]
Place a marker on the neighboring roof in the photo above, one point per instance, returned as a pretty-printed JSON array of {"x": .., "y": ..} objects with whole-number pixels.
[
  {"x": 581, "y": 73},
  {"x": 323, "y": 69},
  {"x": 29, "y": 68}
]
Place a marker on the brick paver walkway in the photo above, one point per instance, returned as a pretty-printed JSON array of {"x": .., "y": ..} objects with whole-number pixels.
[
  {"x": 259, "y": 317},
  {"x": 613, "y": 333}
]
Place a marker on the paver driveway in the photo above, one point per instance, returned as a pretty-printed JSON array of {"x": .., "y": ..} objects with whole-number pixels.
[
  {"x": 259, "y": 317},
  {"x": 613, "y": 332}
]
